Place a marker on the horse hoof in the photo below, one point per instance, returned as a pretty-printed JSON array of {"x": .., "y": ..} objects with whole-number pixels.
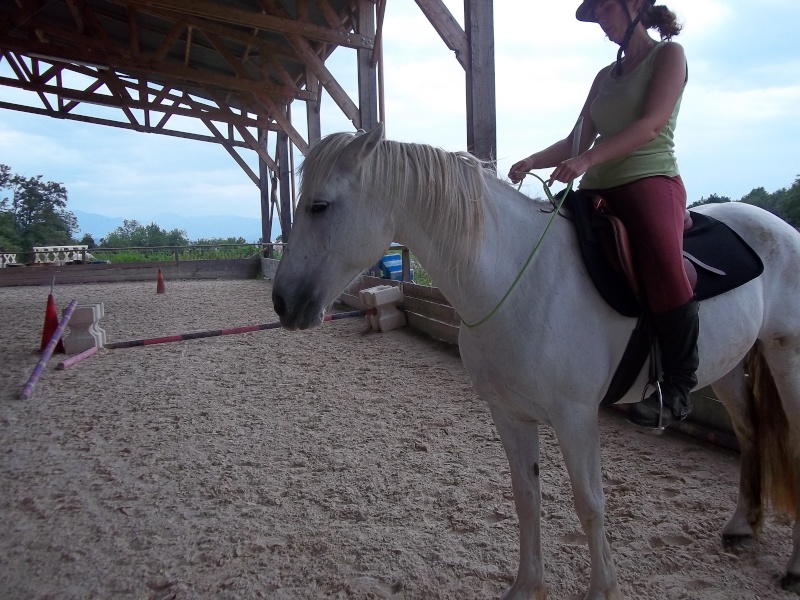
[
  {"x": 735, "y": 541},
  {"x": 791, "y": 583}
]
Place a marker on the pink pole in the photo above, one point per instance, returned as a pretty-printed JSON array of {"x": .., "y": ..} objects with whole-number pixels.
[
  {"x": 68, "y": 362},
  {"x": 27, "y": 390}
]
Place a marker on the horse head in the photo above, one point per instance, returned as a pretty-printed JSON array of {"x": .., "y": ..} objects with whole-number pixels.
[{"x": 337, "y": 232}]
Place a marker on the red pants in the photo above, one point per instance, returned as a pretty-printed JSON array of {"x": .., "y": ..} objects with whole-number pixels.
[{"x": 652, "y": 210}]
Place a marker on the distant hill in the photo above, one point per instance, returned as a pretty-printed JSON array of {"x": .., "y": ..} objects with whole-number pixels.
[{"x": 196, "y": 227}]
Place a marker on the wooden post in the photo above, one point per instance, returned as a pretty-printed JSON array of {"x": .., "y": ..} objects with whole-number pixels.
[
  {"x": 313, "y": 108},
  {"x": 481, "y": 104},
  {"x": 367, "y": 69},
  {"x": 282, "y": 158},
  {"x": 263, "y": 186}
]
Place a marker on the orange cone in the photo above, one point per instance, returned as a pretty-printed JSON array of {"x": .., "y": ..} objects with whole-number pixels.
[
  {"x": 160, "y": 289},
  {"x": 50, "y": 325}
]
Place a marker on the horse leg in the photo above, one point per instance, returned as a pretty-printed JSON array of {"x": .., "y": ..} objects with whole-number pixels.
[
  {"x": 746, "y": 521},
  {"x": 521, "y": 443},
  {"x": 783, "y": 358},
  {"x": 579, "y": 440}
]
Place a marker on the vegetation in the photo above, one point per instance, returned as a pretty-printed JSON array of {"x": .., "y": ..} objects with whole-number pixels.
[
  {"x": 784, "y": 203},
  {"x": 133, "y": 242},
  {"x": 35, "y": 214},
  {"x": 132, "y": 234}
]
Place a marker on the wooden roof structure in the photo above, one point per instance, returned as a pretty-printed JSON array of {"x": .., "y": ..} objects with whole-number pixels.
[{"x": 225, "y": 71}]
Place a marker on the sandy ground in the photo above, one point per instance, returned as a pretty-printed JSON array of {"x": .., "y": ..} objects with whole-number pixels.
[{"x": 336, "y": 463}]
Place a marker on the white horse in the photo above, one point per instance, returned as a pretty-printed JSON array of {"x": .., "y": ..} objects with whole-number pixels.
[{"x": 547, "y": 352}]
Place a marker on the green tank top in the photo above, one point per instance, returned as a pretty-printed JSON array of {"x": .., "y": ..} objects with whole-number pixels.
[{"x": 620, "y": 101}]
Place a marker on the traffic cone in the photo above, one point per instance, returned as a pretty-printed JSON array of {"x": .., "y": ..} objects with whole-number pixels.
[
  {"x": 50, "y": 325},
  {"x": 160, "y": 289}
]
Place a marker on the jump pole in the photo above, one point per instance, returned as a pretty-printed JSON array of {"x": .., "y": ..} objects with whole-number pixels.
[
  {"x": 233, "y": 331},
  {"x": 72, "y": 360},
  {"x": 27, "y": 390}
]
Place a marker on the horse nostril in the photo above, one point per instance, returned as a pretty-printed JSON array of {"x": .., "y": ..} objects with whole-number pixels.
[{"x": 279, "y": 304}]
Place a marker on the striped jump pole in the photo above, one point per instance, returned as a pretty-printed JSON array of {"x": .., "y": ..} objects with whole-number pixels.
[
  {"x": 72, "y": 360},
  {"x": 233, "y": 331},
  {"x": 27, "y": 390}
]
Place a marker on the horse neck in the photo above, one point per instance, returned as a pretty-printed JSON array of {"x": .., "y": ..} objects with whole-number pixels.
[{"x": 476, "y": 282}]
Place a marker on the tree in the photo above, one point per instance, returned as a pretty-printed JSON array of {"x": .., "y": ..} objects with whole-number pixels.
[
  {"x": 35, "y": 214},
  {"x": 774, "y": 203},
  {"x": 712, "y": 199},
  {"x": 132, "y": 234},
  {"x": 88, "y": 240},
  {"x": 220, "y": 241},
  {"x": 791, "y": 204}
]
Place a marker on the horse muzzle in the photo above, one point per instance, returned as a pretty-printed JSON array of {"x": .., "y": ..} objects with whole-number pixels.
[{"x": 300, "y": 312}]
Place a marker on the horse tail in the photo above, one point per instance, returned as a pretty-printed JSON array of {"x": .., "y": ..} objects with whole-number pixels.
[{"x": 778, "y": 474}]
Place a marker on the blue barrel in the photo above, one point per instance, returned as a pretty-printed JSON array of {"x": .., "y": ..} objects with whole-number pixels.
[{"x": 391, "y": 266}]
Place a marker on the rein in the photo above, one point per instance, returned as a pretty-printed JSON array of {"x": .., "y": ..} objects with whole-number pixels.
[{"x": 557, "y": 204}]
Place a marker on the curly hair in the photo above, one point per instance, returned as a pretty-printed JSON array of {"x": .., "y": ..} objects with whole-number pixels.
[{"x": 662, "y": 18}]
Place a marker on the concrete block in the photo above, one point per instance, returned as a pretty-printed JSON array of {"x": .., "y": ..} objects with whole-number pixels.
[{"x": 384, "y": 298}]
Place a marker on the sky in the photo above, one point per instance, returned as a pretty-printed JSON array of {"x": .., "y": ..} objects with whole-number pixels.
[{"x": 739, "y": 127}]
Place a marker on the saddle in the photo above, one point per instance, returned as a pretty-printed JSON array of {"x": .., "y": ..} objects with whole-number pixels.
[{"x": 716, "y": 260}]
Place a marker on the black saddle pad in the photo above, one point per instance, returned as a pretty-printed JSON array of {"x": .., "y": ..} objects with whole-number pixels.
[{"x": 709, "y": 240}]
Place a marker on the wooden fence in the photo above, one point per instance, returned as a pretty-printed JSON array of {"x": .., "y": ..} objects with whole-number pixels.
[{"x": 43, "y": 274}]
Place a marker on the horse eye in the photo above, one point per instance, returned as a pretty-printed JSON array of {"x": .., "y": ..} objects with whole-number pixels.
[{"x": 318, "y": 206}]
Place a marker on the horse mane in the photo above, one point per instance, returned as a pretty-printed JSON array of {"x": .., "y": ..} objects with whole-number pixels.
[{"x": 444, "y": 189}]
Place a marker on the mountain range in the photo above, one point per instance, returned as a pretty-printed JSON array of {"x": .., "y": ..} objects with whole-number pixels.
[{"x": 196, "y": 227}]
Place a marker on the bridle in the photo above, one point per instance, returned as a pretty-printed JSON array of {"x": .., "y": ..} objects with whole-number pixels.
[{"x": 557, "y": 204}]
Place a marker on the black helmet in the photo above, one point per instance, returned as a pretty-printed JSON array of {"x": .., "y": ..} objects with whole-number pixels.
[{"x": 585, "y": 11}]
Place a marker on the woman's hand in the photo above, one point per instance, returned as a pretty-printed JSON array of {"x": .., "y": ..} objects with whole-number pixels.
[
  {"x": 570, "y": 169},
  {"x": 517, "y": 171}
]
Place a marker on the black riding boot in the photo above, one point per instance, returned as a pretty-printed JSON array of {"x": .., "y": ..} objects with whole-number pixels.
[{"x": 676, "y": 332}]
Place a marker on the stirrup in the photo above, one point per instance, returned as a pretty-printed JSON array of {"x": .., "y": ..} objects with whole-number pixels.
[{"x": 657, "y": 391}]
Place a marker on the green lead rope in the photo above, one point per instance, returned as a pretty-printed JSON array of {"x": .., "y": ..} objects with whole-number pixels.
[{"x": 558, "y": 204}]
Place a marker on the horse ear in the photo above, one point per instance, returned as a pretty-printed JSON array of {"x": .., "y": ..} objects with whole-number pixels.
[{"x": 361, "y": 147}]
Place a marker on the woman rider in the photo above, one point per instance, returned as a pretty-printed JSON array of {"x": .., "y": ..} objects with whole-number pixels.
[{"x": 627, "y": 157}]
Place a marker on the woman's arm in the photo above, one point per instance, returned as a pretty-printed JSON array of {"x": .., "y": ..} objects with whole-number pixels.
[
  {"x": 562, "y": 149},
  {"x": 669, "y": 76}
]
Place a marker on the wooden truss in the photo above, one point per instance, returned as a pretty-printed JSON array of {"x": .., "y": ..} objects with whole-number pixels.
[{"x": 223, "y": 71}]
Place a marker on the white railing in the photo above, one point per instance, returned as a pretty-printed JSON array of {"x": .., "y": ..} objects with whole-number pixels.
[
  {"x": 7, "y": 259},
  {"x": 59, "y": 254}
]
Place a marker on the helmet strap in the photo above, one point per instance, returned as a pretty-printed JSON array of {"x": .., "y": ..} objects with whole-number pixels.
[{"x": 633, "y": 22}]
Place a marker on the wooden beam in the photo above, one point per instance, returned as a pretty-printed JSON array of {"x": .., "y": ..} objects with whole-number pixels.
[
  {"x": 148, "y": 68},
  {"x": 223, "y": 30},
  {"x": 282, "y": 158},
  {"x": 248, "y": 137},
  {"x": 367, "y": 72},
  {"x": 481, "y": 103},
  {"x": 313, "y": 115},
  {"x": 235, "y": 155},
  {"x": 75, "y": 11},
  {"x": 448, "y": 28},
  {"x": 285, "y": 124},
  {"x": 247, "y": 18},
  {"x": 108, "y": 122},
  {"x": 263, "y": 186},
  {"x": 233, "y": 62},
  {"x": 133, "y": 31},
  {"x": 90, "y": 97},
  {"x": 325, "y": 77},
  {"x": 317, "y": 66},
  {"x": 169, "y": 40}
]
